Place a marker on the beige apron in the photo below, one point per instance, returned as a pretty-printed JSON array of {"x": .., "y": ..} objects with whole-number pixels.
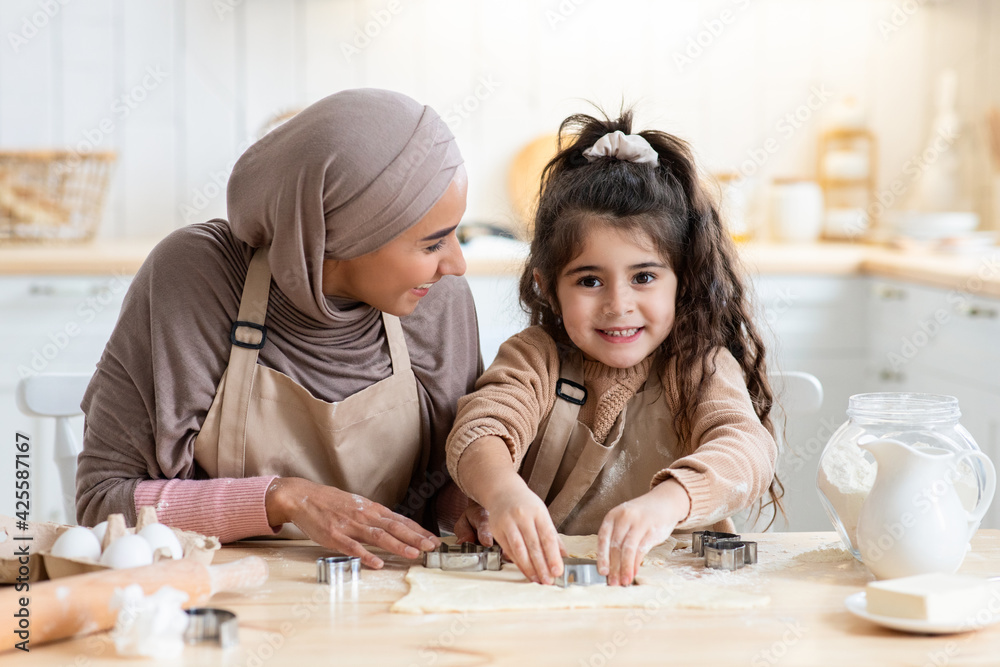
[
  {"x": 581, "y": 479},
  {"x": 263, "y": 423}
]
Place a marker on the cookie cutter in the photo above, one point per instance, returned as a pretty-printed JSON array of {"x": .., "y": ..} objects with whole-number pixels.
[
  {"x": 730, "y": 554},
  {"x": 702, "y": 538},
  {"x": 338, "y": 570},
  {"x": 465, "y": 557},
  {"x": 723, "y": 551},
  {"x": 580, "y": 572},
  {"x": 206, "y": 624}
]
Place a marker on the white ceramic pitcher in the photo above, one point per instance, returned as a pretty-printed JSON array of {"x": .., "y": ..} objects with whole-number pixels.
[{"x": 913, "y": 520}]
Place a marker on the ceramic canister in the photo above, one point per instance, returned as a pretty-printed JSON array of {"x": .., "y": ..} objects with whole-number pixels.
[{"x": 797, "y": 210}]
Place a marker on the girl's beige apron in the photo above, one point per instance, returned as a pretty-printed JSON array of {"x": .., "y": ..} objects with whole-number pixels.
[
  {"x": 581, "y": 479},
  {"x": 263, "y": 423}
]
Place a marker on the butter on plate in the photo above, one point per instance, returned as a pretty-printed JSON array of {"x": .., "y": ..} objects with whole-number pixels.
[{"x": 936, "y": 597}]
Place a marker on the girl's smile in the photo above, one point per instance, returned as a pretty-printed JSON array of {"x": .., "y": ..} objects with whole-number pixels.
[
  {"x": 616, "y": 297},
  {"x": 621, "y": 335}
]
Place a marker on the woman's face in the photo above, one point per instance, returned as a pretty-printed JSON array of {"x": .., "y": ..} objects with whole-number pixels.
[{"x": 395, "y": 277}]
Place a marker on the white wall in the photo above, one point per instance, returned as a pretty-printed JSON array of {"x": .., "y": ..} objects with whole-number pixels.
[{"x": 223, "y": 67}]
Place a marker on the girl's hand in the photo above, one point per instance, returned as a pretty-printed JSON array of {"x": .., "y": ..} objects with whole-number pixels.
[
  {"x": 474, "y": 526},
  {"x": 630, "y": 530},
  {"x": 518, "y": 519},
  {"x": 521, "y": 523},
  {"x": 344, "y": 521}
]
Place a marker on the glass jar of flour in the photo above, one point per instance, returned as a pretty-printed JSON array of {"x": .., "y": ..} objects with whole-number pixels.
[{"x": 846, "y": 472}]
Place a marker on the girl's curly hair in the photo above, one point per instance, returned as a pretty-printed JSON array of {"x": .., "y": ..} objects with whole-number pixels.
[{"x": 667, "y": 202}]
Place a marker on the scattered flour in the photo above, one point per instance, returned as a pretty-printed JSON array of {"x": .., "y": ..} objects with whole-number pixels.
[
  {"x": 149, "y": 625},
  {"x": 829, "y": 553}
]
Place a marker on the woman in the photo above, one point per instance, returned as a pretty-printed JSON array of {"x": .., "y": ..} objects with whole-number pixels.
[{"x": 299, "y": 363}]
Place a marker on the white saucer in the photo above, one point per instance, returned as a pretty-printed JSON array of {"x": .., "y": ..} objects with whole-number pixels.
[{"x": 857, "y": 604}]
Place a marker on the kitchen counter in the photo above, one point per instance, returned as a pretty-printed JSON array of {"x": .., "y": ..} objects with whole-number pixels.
[
  {"x": 295, "y": 620},
  {"x": 974, "y": 273}
]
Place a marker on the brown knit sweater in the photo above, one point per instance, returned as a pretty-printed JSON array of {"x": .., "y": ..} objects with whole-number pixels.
[{"x": 730, "y": 468}]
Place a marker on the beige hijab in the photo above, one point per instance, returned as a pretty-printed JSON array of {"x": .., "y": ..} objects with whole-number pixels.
[{"x": 340, "y": 179}]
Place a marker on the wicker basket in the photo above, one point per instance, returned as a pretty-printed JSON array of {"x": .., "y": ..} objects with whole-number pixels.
[{"x": 52, "y": 195}]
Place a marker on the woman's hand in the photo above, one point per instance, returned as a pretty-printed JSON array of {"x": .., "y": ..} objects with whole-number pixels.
[
  {"x": 474, "y": 526},
  {"x": 344, "y": 521},
  {"x": 630, "y": 530}
]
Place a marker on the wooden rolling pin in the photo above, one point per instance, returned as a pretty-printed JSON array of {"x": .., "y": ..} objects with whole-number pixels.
[{"x": 79, "y": 605}]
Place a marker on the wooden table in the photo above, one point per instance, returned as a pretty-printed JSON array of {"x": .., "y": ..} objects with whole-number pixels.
[{"x": 294, "y": 621}]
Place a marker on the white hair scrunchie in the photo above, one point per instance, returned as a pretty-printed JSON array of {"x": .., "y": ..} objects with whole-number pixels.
[{"x": 621, "y": 146}]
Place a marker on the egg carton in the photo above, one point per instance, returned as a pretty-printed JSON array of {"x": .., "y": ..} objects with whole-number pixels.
[{"x": 43, "y": 565}]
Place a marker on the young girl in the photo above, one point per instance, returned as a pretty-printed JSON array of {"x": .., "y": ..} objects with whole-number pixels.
[{"x": 638, "y": 402}]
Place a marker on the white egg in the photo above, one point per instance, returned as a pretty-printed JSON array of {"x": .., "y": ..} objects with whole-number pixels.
[
  {"x": 160, "y": 536},
  {"x": 99, "y": 531},
  {"x": 77, "y": 542},
  {"x": 127, "y": 551}
]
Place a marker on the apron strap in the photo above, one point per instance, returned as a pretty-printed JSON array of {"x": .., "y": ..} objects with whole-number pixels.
[
  {"x": 247, "y": 336},
  {"x": 398, "y": 353},
  {"x": 570, "y": 395},
  {"x": 592, "y": 460}
]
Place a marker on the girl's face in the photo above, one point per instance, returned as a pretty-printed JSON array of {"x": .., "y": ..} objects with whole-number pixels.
[
  {"x": 616, "y": 298},
  {"x": 395, "y": 277}
]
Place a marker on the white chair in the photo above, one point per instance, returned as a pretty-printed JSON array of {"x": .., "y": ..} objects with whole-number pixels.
[
  {"x": 797, "y": 395},
  {"x": 796, "y": 392},
  {"x": 58, "y": 395}
]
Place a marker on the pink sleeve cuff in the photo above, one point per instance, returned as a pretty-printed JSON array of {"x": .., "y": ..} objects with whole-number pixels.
[{"x": 230, "y": 509}]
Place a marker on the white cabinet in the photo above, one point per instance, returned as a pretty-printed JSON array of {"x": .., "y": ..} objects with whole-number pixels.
[
  {"x": 938, "y": 341},
  {"x": 816, "y": 324},
  {"x": 48, "y": 324}
]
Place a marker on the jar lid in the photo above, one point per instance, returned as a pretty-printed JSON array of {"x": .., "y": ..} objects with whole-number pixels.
[{"x": 904, "y": 406}]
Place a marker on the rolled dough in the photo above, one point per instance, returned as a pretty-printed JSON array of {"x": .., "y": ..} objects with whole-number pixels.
[{"x": 437, "y": 591}]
